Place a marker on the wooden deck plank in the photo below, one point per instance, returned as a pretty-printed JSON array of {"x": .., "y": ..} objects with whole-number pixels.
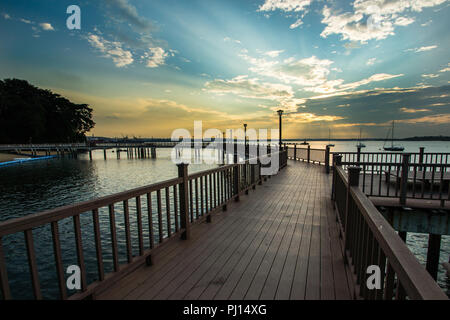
[{"x": 279, "y": 242}]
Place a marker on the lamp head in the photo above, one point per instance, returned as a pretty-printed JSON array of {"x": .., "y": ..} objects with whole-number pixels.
[{"x": 280, "y": 112}]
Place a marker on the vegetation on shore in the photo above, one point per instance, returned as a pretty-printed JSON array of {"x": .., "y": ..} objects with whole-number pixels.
[{"x": 32, "y": 115}]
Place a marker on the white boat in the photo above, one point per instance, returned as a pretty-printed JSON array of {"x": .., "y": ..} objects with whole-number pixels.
[{"x": 393, "y": 147}]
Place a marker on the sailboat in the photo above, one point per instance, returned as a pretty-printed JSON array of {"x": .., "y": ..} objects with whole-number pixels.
[
  {"x": 329, "y": 139},
  {"x": 360, "y": 144},
  {"x": 392, "y": 147}
]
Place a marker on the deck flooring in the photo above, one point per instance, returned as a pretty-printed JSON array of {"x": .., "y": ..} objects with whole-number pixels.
[{"x": 279, "y": 242}]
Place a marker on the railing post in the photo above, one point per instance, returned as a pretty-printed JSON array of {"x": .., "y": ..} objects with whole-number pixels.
[
  {"x": 421, "y": 152},
  {"x": 358, "y": 156},
  {"x": 184, "y": 200},
  {"x": 353, "y": 181},
  {"x": 295, "y": 151},
  {"x": 337, "y": 159},
  {"x": 404, "y": 178},
  {"x": 236, "y": 177},
  {"x": 308, "y": 153},
  {"x": 327, "y": 159}
]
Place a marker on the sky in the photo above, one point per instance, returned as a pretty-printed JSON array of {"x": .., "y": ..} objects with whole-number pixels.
[{"x": 149, "y": 67}]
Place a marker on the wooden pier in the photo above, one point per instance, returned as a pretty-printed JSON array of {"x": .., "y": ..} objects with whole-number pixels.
[{"x": 234, "y": 232}]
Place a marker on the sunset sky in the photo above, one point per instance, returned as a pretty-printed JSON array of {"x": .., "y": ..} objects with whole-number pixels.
[{"x": 148, "y": 67}]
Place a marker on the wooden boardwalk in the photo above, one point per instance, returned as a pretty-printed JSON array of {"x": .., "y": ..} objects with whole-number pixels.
[{"x": 282, "y": 242}]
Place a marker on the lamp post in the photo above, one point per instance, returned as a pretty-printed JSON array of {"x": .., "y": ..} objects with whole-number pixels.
[
  {"x": 280, "y": 112},
  {"x": 245, "y": 139}
]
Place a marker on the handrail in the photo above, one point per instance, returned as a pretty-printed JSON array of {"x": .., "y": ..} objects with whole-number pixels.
[
  {"x": 179, "y": 203},
  {"x": 370, "y": 240}
]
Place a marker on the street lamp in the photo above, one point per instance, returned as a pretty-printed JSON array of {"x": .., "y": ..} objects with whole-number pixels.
[
  {"x": 280, "y": 112},
  {"x": 245, "y": 138}
]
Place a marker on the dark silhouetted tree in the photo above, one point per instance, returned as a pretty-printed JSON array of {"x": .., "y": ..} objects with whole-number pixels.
[{"x": 30, "y": 114}]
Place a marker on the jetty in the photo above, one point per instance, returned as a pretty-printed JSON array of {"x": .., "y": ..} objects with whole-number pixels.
[{"x": 310, "y": 231}]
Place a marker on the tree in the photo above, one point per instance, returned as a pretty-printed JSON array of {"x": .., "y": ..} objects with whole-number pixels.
[{"x": 30, "y": 114}]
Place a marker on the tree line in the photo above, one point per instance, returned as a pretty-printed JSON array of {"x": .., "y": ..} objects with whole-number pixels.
[{"x": 33, "y": 115}]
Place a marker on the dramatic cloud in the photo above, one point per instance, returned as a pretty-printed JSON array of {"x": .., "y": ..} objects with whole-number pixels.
[
  {"x": 372, "y": 19},
  {"x": 156, "y": 57},
  {"x": 249, "y": 88},
  {"x": 273, "y": 54},
  {"x": 111, "y": 49},
  {"x": 128, "y": 12},
  {"x": 408, "y": 110},
  {"x": 371, "y": 61},
  {"x": 45, "y": 26},
  {"x": 296, "y": 24},
  {"x": 285, "y": 5},
  {"x": 431, "y": 75},
  {"x": 422, "y": 49}
]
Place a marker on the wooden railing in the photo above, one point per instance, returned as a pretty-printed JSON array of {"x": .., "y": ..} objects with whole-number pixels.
[
  {"x": 162, "y": 211},
  {"x": 401, "y": 175},
  {"x": 310, "y": 155},
  {"x": 370, "y": 240}
]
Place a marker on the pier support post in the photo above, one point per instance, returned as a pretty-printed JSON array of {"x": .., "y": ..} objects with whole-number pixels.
[
  {"x": 327, "y": 159},
  {"x": 236, "y": 184},
  {"x": 308, "y": 157},
  {"x": 404, "y": 178},
  {"x": 434, "y": 246},
  {"x": 90, "y": 154},
  {"x": 184, "y": 200},
  {"x": 337, "y": 160},
  {"x": 295, "y": 151},
  {"x": 358, "y": 155},
  {"x": 153, "y": 151}
]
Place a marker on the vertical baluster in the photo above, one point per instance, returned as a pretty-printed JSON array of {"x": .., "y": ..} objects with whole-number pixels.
[
  {"x": 139, "y": 223},
  {"x": 80, "y": 255},
  {"x": 175, "y": 208},
  {"x": 4, "y": 284},
  {"x": 202, "y": 198},
  {"x": 160, "y": 222},
  {"x": 206, "y": 194},
  {"x": 215, "y": 189},
  {"x": 112, "y": 221},
  {"x": 127, "y": 231},
  {"x": 211, "y": 201},
  {"x": 191, "y": 201},
  {"x": 98, "y": 245},
  {"x": 168, "y": 220},
  {"x": 150, "y": 221},
  {"x": 32, "y": 264},
  {"x": 196, "y": 198},
  {"x": 58, "y": 260}
]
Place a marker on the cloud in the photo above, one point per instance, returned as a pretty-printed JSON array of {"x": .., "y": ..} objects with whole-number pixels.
[
  {"x": 285, "y": 5},
  {"x": 249, "y": 88},
  {"x": 129, "y": 13},
  {"x": 371, "y": 61},
  {"x": 274, "y": 53},
  {"x": 423, "y": 49},
  {"x": 372, "y": 19},
  {"x": 430, "y": 76},
  {"x": 402, "y": 21},
  {"x": 111, "y": 49},
  {"x": 435, "y": 119},
  {"x": 156, "y": 57},
  {"x": 46, "y": 26},
  {"x": 446, "y": 69},
  {"x": 408, "y": 110},
  {"x": 296, "y": 24},
  {"x": 6, "y": 16},
  {"x": 307, "y": 117}
]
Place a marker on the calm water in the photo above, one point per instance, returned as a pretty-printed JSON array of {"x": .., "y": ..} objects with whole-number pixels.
[{"x": 37, "y": 186}]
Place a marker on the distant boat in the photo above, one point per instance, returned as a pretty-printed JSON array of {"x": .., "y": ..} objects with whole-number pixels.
[
  {"x": 329, "y": 139},
  {"x": 360, "y": 144},
  {"x": 392, "y": 147},
  {"x": 304, "y": 142}
]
